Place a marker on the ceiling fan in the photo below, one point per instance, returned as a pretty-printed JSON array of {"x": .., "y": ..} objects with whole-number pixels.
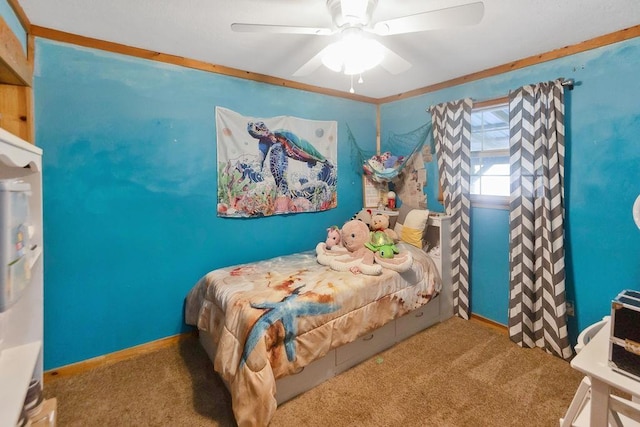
[{"x": 353, "y": 20}]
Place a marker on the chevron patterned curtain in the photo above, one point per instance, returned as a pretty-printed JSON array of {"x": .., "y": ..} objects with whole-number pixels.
[
  {"x": 452, "y": 137},
  {"x": 536, "y": 221}
]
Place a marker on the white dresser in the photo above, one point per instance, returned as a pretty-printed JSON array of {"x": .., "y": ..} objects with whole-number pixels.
[{"x": 21, "y": 325}]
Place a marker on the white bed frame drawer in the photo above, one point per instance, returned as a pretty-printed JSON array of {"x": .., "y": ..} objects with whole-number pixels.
[
  {"x": 364, "y": 347},
  {"x": 417, "y": 320},
  {"x": 310, "y": 376}
]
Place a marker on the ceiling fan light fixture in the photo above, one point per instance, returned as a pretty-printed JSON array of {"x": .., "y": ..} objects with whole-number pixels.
[{"x": 353, "y": 55}]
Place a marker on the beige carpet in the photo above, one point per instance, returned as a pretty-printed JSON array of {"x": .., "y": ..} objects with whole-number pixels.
[{"x": 458, "y": 373}]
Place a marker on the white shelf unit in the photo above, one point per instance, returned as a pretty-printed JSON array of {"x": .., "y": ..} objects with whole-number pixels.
[
  {"x": 438, "y": 237},
  {"x": 21, "y": 325}
]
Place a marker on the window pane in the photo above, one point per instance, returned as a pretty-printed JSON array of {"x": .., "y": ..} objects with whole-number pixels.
[
  {"x": 475, "y": 185},
  {"x": 496, "y": 140},
  {"x": 490, "y": 165},
  {"x": 476, "y": 142},
  {"x": 476, "y": 162},
  {"x": 490, "y": 151},
  {"x": 494, "y": 186},
  {"x": 498, "y": 169}
]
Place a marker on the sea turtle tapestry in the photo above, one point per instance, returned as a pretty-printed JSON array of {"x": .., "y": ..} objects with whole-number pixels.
[{"x": 275, "y": 165}]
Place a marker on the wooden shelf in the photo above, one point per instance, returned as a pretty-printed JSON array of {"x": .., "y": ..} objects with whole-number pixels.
[
  {"x": 16, "y": 369},
  {"x": 16, "y": 80},
  {"x": 14, "y": 65}
]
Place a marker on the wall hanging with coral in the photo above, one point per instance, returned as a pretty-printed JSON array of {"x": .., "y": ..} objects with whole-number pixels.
[{"x": 276, "y": 165}]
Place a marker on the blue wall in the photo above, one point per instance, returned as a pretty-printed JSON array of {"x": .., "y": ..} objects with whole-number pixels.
[
  {"x": 130, "y": 188},
  {"x": 602, "y": 180},
  {"x": 130, "y": 191}
]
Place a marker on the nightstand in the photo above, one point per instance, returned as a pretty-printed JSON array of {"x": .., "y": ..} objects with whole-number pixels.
[{"x": 594, "y": 405}]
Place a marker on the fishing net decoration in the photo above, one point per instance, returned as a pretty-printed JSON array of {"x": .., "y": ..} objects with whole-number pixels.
[{"x": 386, "y": 167}]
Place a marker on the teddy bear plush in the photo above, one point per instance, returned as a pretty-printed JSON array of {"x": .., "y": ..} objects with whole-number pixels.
[{"x": 380, "y": 222}]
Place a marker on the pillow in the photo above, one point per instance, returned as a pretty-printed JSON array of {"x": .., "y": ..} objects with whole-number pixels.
[
  {"x": 413, "y": 228},
  {"x": 403, "y": 211}
]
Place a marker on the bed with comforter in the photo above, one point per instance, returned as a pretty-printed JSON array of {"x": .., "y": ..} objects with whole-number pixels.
[{"x": 268, "y": 320}]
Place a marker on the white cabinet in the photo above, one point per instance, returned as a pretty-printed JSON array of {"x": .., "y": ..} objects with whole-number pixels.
[
  {"x": 21, "y": 325},
  {"x": 438, "y": 238}
]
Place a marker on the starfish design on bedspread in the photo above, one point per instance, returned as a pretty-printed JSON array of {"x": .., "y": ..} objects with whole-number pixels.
[{"x": 285, "y": 311}]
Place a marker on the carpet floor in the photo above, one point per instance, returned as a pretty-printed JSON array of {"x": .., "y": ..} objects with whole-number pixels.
[{"x": 457, "y": 373}]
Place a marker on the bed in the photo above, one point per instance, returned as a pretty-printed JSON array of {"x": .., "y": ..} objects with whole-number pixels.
[{"x": 278, "y": 327}]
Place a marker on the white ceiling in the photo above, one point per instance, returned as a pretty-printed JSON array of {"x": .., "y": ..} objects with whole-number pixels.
[{"x": 200, "y": 29}]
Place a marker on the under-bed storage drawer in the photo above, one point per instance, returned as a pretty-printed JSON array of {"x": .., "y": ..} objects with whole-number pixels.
[
  {"x": 310, "y": 376},
  {"x": 364, "y": 347},
  {"x": 417, "y": 320}
]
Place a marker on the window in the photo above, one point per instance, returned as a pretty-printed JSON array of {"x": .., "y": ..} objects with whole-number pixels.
[{"x": 490, "y": 155}]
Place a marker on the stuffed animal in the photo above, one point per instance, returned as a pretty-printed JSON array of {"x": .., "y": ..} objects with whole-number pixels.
[
  {"x": 392, "y": 162},
  {"x": 382, "y": 244},
  {"x": 385, "y": 162},
  {"x": 356, "y": 258},
  {"x": 363, "y": 215},
  {"x": 331, "y": 247},
  {"x": 334, "y": 239},
  {"x": 355, "y": 234},
  {"x": 380, "y": 222},
  {"x": 359, "y": 258},
  {"x": 373, "y": 165}
]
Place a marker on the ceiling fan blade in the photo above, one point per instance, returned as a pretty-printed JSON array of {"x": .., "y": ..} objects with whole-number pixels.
[
  {"x": 392, "y": 62},
  {"x": 467, "y": 14},
  {"x": 279, "y": 29},
  {"x": 311, "y": 65}
]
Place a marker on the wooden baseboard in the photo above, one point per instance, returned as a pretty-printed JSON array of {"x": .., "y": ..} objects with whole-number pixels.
[
  {"x": 490, "y": 323},
  {"x": 118, "y": 356}
]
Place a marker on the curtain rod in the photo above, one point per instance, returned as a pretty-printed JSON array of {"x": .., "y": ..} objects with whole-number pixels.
[{"x": 569, "y": 83}]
